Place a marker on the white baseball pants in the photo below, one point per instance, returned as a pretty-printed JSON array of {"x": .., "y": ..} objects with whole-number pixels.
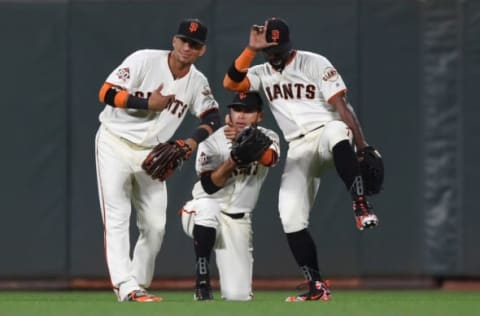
[{"x": 121, "y": 184}]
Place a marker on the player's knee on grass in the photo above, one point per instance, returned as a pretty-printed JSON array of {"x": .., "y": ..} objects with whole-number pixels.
[{"x": 235, "y": 294}]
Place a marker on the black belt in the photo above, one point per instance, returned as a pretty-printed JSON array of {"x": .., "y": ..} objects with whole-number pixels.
[
  {"x": 235, "y": 216},
  {"x": 302, "y": 135}
]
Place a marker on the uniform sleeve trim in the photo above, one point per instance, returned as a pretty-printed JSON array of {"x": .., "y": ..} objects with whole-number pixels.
[
  {"x": 341, "y": 92},
  {"x": 269, "y": 158},
  {"x": 245, "y": 59}
]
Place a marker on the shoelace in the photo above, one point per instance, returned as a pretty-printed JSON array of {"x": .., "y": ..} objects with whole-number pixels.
[
  {"x": 302, "y": 286},
  {"x": 306, "y": 285},
  {"x": 361, "y": 207},
  {"x": 139, "y": 293}
]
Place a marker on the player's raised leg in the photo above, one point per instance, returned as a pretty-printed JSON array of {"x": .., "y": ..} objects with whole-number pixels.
[{"x": 335, "y": 143}]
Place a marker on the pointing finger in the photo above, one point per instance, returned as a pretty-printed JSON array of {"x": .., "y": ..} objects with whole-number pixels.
[
  {"x": 159, "y": 89},
  {"x": 228, "y": 121}
]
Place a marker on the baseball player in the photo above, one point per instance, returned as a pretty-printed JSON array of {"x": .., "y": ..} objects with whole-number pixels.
[
  {"x": 147, "y": 97},
  {"x": 219, "y": 215},
  {"x": 307, "y": 98}
]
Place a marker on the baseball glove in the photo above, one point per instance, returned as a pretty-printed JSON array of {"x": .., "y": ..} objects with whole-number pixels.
[
  {"x": 249, "y": 146},
  {"x": 372, "y": 170},
  {"x": 164, "y": 158}
]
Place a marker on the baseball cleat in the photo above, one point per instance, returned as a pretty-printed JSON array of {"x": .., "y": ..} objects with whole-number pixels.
[
  {"x": 319, "y": 291},
  {"x": 364, "y": 216},
  {"x": 203, "y": 292},
  {"x": 142, "y": 296}
]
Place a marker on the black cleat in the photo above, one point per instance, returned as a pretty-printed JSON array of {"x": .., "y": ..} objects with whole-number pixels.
[
  {"x": 203, "y": 292},
  {"x": 319, "y": 291},
  {"x": 364, "y": 216}
]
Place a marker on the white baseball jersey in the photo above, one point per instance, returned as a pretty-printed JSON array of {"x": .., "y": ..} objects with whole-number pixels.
[
  {"x": 298, "y": 95},
  {"x": 240, "y": 194},
  {"x": 140, "y": 74}
]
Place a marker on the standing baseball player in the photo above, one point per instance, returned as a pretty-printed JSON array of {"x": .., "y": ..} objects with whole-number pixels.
[
  {"x": 147, "y": 97},
  {"x": 307, "y": 98},
  {"x": 219, "y": 216}
]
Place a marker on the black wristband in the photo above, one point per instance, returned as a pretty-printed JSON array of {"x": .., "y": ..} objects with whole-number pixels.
[
  {"x": 207, "y": 184},
  {"x": 200, "y": 134},
  {"x": 134, "y": 102},
  {"x": 211, "y": 118},
  {"x": 110, "y": 96},
  {"x": 235, "y": 74}
]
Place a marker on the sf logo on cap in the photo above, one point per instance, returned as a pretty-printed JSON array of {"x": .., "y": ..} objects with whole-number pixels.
[
  {"x": 193, "y": 27},
  {"x": 275, "y": 35},
  {"x": 242, "y": 95}
]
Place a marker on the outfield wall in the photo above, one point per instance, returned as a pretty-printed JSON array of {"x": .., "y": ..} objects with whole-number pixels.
[{"x": 412, "y": 68}]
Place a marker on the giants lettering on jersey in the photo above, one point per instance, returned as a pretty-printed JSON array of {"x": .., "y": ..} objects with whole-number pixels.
[
  {"x": 291, "y": 91},
  {"x": 248, "y": 170},
  {"x": 176, "y": 107}
]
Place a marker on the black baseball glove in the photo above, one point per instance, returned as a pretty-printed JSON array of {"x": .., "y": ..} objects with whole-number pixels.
[
  {"x": 164, "y": 158},
  {"x": 249, "y": 146},
  {"x": 372, "y": 170}
]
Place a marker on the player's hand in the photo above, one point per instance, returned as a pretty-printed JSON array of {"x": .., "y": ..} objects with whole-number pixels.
[
  {"x": 258, "y": 38},
  {"x": 157, "y": 101},
  {"x": 229, "y": 131}
]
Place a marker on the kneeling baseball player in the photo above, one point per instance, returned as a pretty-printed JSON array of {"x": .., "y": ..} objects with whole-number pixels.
[{"x": 232, "y": 164}]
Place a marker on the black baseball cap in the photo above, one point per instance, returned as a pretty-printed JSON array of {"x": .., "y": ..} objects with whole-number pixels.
[
  {"x": 250, "y": 101},
  {"x": 194, "y": 30},
  {"x": 278, "y": 31}
]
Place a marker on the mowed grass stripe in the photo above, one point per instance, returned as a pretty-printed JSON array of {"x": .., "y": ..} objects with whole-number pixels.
[{"x": 351, "y": 303}]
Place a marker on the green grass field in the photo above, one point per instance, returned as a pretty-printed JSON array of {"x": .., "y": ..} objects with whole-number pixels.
[{"x": 351, "y": 303}]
